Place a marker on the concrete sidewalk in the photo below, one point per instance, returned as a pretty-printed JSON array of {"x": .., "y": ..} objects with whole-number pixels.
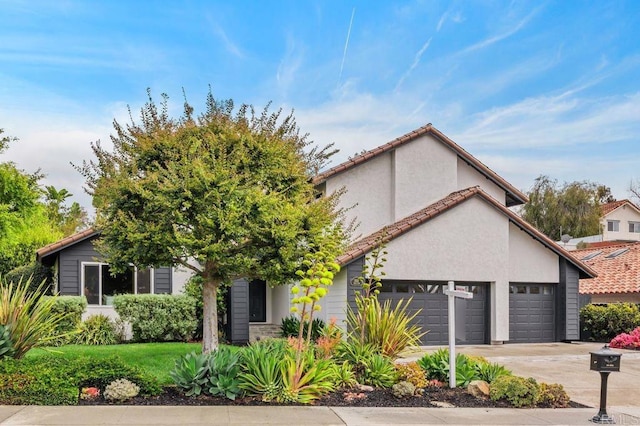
[{"x": 300, "y": 416}]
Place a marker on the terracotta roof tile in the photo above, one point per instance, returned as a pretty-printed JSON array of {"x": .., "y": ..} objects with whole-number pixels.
[
  {"x": 609, "y": 207},
  {"x": 65, "y": 242},
  {"x": 395, "y": 230},
  {"x": 620, "y": 274},
  {"x": 514, "y": 195}
]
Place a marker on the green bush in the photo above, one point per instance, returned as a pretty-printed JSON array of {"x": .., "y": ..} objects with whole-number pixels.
[
  {"x": 604, "y": 322},
  {"x": 97, "y": 330},
  {"x": 553, "y": 395},
  {"x": 38, "y": 274},
  {"x": 290, "y": 327},
  {"x": 520, "y": 392},
  {"x": 72, "y": 308},
  {"x": 6, "y": 347},
  {"x": 158, "y": 317},
  {"x": 261, "y": 366},
  {"x": 56, "y": 380},
  {"x": 490, "y": 372},
  {"x": 369, "y": 365},
  {"x": 224, "y": 368},
  {"x": 190, "y": 373}
]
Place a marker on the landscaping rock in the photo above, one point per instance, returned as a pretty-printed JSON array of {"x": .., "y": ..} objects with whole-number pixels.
[
  {"x": 364, "y": 388},
  {"x": 479, "y": 389}
]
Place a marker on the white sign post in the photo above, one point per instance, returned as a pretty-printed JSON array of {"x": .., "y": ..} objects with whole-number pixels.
[{"x": 452, "y": 293}]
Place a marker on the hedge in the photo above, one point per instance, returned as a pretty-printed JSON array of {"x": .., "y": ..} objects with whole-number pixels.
[
  {"x": 604, "y": 322},
  {"x": 158, "y": 317},
  {"x": 74, "y": 306}
]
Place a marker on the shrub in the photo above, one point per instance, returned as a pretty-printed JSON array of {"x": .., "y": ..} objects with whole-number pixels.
[
  {"x": 261, "y": 364},
  {"x": 97, "y": 330},
  {"x": 34, "y": 272},
  {"x": 627, "y": 340},
  {"x": 290, "y": 327},
  {"x": 413, "y": 374},
  {"x": 553, "y": 395},
  {"x": 72, "y": 308},
  {"x": 436, "y": 365},
  {"x": 387, "y": 327},
  {"x": 520, "y": 392},
  {"x": 158, "y": 317},
  {"x": 344, "y": 375},
  {"x": 56, "y": 380},
  {"x": 29, "y": 317},
  {"x": 121, "y": 390},
  {"x": 603, "y": 322},
  {"x": 190, "y": 373}
]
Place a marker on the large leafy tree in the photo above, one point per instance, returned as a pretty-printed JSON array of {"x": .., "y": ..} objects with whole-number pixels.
[
  {"x": 226, "y": 194},
  {"x": 24, "y": 225},
  {"x": 572, "y": 208},
  {"x": 69, "y": 219}
]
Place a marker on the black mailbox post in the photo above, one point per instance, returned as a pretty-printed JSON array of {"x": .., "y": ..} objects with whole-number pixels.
[{"x": 604, "y": 361}]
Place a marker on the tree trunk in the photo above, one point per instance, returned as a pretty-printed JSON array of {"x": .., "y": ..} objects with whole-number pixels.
[{"x": 210, "y": 314}]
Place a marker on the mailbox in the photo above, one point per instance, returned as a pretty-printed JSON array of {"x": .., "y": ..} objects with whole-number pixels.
[{"x": 605, "y": 360}]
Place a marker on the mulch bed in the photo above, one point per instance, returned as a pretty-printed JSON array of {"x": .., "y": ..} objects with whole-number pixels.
[{"x": 343, "y": 398}]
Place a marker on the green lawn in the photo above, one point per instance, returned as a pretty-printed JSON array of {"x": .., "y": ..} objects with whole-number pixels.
[{"x": 155, "y": 358}]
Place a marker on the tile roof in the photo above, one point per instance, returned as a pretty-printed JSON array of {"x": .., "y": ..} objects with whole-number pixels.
[
  {"x": 514, "y": 196},
  {"x": 609, "y": 207},
  {"x": 366, "y": 244},
  {"x": 65, "y": 242},
  {"x": 619, "y": 274}
]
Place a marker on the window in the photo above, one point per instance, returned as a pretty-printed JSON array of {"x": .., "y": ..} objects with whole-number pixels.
[
  {"x": 634, "y": 227},
  {"x": 616, "y": 253},
  {"x": 99, "y": 286},
  {"x": 613, "y": 225},
  {"x": 591, "y": 255}
]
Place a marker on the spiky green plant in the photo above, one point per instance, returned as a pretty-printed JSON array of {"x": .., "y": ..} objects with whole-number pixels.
[
  {"x": 305, "y": 382},
  {"x": 28, "y": 316},
  {"x": 6, "y": 347},
  {"x": 190, "y": 373},
  {"x": 261, "y": 369}
]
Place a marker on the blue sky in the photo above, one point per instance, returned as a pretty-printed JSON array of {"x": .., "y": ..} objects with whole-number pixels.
[{"x": 528, "y": 87}]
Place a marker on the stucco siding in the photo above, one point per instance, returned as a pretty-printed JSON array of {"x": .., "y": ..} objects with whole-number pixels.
[
  {"x": 624, "y": 215},
  {"x": 530, "y": 261},
  {"x": 369, "y": 193},
  {"x": 468, "y": 177},
  {"x": 425, "y": 171},
  {"x": 467, "y": 243}
]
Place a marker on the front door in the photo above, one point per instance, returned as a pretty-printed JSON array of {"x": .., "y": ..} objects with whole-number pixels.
[{"x": 257, "y": 301}]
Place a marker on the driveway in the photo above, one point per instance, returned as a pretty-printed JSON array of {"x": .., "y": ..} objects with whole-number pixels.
[{"x": 564, "y": 363}]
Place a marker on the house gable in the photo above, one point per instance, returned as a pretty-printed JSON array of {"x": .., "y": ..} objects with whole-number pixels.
[{"x": 624, "y": 216}]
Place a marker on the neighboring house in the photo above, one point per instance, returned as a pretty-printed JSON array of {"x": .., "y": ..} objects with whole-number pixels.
[
  {"x": 618, "y": 268},
  {"x": 620, "y": 221},
  {"x": 446, "y": 216},
  {"x": 79, "y": 270}
]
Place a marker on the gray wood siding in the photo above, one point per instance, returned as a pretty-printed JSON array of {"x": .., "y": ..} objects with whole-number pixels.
[
  {"x": 70, "y": 260},
  {"x": 354, "y": 270},
  {"x": 568, "y": 303},
  {"x": 162, "y": 280},
  {"x": 238, "y": 312}
]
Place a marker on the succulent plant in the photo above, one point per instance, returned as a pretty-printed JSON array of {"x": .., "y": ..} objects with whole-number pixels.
[{"x": 121, "y": 390}]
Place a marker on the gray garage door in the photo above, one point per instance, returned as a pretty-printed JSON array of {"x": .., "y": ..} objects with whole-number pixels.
[
  {"x": 532, "y": 313},
  {"x": 429, "y": 297}
]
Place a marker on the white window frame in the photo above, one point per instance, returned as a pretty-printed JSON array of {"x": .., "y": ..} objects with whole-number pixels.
[
  {"x": 101, "y": 264},
  {"x": 634, "y": 227},
  {"x": 613, "y": 225}
]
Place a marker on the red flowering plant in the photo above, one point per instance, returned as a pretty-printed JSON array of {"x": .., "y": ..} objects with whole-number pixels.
[
  {"x": 627, "y": 340},
  {"x": 89, "y": 393}
]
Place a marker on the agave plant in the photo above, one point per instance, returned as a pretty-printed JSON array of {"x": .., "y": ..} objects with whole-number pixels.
[
  {"x": 6, "y": 348},
  {"x": 224, "y": 367},
  {"x": 190, "y": 373},
  {"x": 28, "y": 316},
  {"x": 314, "y": 379},
  {"x": 261, "y": 369}
]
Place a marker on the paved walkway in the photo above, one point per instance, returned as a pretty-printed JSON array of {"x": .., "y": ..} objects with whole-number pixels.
[
  {"x": 300, "y": 416},
  {"x": 565, "y": 363}
]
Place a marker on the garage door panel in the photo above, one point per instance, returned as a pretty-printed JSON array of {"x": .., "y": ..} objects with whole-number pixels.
[{"x": 532, "y": 313}]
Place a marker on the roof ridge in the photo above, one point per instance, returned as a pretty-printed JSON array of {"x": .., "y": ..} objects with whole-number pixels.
[{"x": 64, "y": 242}]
